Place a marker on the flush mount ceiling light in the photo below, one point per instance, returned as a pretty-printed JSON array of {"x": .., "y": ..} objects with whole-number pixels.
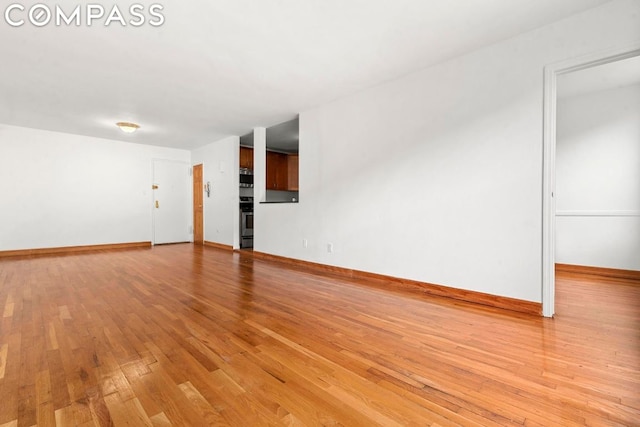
[{"x": 127, "y": 127}]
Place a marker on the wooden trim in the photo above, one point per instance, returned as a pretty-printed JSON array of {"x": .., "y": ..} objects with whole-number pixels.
[
  {"x": 218, "y": 245},
  {"x": 599, "y": 271},
  {"x": 506, "y": 303},
  {"x": 73, "y": 249}
]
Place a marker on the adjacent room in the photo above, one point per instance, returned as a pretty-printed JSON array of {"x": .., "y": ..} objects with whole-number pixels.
[{"x": 320, "y": 213}]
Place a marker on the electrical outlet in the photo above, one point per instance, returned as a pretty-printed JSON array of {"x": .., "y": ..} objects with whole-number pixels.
[
  {"x": 330, "y": 247},
  {"x": 305, "y": 243}
]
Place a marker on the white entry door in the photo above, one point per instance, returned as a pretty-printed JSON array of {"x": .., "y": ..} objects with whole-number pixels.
[{"x": 171, "y": 202}]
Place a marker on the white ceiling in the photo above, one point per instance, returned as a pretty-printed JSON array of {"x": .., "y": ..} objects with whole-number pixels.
[
  {"x": 221, "y": 67},
  {"x": 603, "y": 77}
]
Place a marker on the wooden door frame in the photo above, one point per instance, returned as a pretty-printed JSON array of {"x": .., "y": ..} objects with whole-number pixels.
[
  {"x": 551, "y": 73},
  {"x": 198, "y": 189}
]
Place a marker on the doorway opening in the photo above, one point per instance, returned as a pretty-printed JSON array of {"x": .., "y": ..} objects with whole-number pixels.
[{"x": 551, "y": 74}]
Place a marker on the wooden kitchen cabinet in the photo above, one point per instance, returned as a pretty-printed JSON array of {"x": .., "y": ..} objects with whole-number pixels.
[
  {"x": 282, "y": 171},
  {"x": 292, "y": 172},
  {"x": 277, "y": 171},
  {"x": 246, "y": 158}
]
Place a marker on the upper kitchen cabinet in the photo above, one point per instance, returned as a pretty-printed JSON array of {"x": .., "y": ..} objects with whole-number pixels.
[
  {"x": 246, "y": 151},
  {"x": 292, "y": 172},
  {"x": 282, "y": 171},
  {"x": 277, "y": 171},
  {"x": 246, "y": 158}
]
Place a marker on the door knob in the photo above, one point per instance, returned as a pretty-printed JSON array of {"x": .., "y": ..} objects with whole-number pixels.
[{"x": 157, "y": 204}]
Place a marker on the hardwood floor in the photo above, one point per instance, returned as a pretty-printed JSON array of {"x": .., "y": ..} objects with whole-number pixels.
[{"x": 184, "y": 335}]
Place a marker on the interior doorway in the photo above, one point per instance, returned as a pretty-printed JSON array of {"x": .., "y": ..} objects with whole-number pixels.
[{"x": 551, "y": 74}]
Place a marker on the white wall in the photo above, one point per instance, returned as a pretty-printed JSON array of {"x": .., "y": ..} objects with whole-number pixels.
[
  {"x": 59, "y": 190},
  {"x": 437, "y": 176},
  {"x": 598, "y": 179},
  {"x": 220, "y": 162}
]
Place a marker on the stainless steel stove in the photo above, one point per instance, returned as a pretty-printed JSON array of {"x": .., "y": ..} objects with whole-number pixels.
[{"x": 246, "y": 222}]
